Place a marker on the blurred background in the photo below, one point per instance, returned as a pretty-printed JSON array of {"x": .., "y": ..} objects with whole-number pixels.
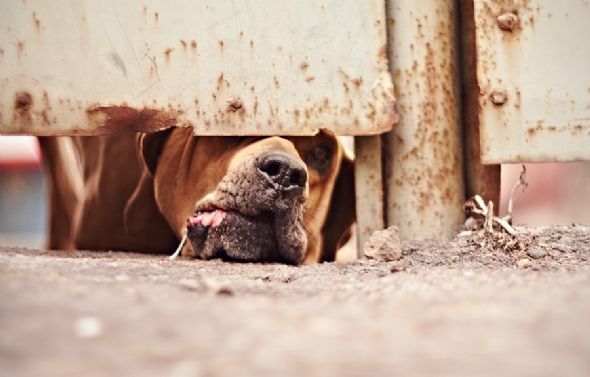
[
  {"x": 558, "y": 193},
  {"x": 23, "y": 213}
]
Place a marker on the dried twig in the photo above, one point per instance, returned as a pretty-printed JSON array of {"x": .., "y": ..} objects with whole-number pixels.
[
  {"x": 507, "y": 227},
  {"x": 520, "y": 183},
  {"x": 477, "y": 206},
  {"x": 482, "y": 205},
  {"x": 488, "y": 224}
]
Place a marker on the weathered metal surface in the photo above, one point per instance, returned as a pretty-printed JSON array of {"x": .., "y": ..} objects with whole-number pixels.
[
  {"x": 422, "y": 155},
  {"x": 221, "y": 66},
  {"x": 483, "y": 180},
  {"x": 368, "y": 189},
  {"x": 534, "y": 88}
]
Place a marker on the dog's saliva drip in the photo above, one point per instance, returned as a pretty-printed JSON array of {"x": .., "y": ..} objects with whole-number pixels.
[{"x": 179, "y": 248}]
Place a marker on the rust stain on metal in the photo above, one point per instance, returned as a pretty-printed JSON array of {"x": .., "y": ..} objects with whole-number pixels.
[
  {"x": 45, "y": 117},
  {"x": 382, "y": 54},
  {"x": 167, "y": 53},
  {"x": 20, "y": 48},
  {"x": 234, "y": 105},
  {"x": 153, "y": 66},
  {"x": 194, "y": 44},
  {"x": 183, "y": 43},
  {"x": 156, "y": 17},
  {"x": 37, "y": 22},
  {"x": 23, "y": 102},
  {"x": 304, "y": 66},
  {"x": 106, "y": 119}
]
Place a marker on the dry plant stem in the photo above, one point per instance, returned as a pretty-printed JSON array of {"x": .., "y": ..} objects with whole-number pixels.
[
  {"x": 521, "y": 182},
  {"x": 482, "y": 205},
  {"x": 487, "y": 212},
  {"x": 489, "y": 222},
  {"x": 507, "y": 227}
]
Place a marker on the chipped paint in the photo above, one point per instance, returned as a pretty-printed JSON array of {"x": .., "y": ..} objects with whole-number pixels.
[{"x": 153, "y": 58}]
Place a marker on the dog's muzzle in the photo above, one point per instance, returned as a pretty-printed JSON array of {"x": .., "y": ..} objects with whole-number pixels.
[{"x": 255, "y": 213}]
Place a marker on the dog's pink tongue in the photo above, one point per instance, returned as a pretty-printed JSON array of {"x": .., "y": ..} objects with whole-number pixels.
[{"x": 212, "y": 219}]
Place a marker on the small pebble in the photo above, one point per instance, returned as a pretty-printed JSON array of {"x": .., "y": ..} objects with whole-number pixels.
[
  {"x": 524, "y": 263},
  {"x": 88, "y": 327},
  {"x": 384, "y": 245},
  {"x": 536, "y": 267},
  {"x": 536, "y": 253}
]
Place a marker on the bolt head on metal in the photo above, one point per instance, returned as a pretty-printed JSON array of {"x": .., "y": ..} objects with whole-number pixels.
[
  {"x": 507, "y": 21},
  {"x": 499, "y": 97}
]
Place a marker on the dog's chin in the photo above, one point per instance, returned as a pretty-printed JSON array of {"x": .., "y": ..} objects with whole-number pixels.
[{"x": 233, "y": 236}]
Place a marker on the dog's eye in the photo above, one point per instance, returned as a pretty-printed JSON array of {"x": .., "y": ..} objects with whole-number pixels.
[{"x": 319, "y": 158}]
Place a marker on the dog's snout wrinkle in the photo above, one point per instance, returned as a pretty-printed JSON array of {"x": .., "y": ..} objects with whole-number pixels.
[{"x": 283, "y": 170}]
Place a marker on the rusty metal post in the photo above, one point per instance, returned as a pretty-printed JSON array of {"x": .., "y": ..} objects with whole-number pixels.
[
  {"x": 368, "y": 189},
  {"x": 480, "y": 179},
  {"x": 423, "y": 154}
]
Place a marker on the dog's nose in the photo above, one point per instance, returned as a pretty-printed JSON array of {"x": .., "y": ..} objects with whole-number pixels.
[{"x": 283, "y": 170}]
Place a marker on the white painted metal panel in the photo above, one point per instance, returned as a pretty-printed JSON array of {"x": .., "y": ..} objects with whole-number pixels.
[
  {"x": 533, "y": 67},
  {"x": 221, "y": 66}
]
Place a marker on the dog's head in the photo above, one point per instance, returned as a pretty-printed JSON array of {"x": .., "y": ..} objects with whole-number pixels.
[{"x": 252, "y": 199}]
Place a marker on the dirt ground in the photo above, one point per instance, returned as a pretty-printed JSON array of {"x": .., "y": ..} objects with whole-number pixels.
[{"x": 446, "y": 308}]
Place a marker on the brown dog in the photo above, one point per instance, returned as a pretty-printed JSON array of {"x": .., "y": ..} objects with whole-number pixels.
[{"x": 239, "y": 198}]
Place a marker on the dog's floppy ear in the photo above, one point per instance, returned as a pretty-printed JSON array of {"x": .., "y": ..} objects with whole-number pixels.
[
  {"x": 142, "y": 203},
  {"x": 341, "y": 215}
]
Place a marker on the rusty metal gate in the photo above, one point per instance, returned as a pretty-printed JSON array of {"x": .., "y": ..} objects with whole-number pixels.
[{"x": 476, "y": 82}]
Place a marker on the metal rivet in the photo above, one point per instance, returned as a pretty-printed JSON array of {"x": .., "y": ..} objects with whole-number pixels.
[
  {"x": 507, "y": 21},
  {"x": 499, "y": 97}
]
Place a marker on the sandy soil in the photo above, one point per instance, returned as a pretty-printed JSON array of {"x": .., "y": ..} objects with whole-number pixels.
[{"x": 458, "y": 308}]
